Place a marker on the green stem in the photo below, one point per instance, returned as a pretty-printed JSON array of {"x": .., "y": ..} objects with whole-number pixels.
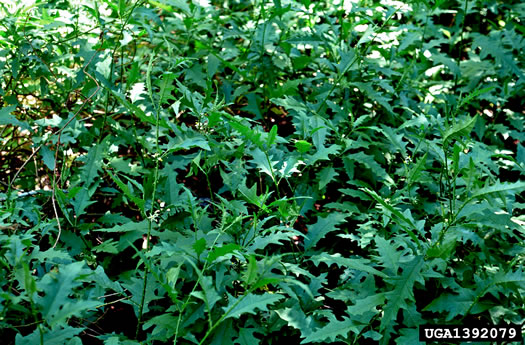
[
  {"x": 155, "y": 183},
  {"x": 112, "y": 66},
  {"x": 198, "y": 282},
  {"x": 460, "y": 45}
]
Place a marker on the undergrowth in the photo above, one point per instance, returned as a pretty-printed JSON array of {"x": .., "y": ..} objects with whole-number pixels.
[{"x": 258, "y": 172}]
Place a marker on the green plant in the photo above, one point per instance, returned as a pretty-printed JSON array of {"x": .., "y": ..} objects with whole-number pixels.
[{"x": 208, "y": 172}]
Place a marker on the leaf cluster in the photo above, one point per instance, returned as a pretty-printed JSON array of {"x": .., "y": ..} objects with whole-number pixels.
[{"x": 252, "y": 172}]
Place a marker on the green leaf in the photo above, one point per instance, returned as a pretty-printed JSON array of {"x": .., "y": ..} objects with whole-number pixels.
[
  {"x": 93, "y": 163},
  {"x": 406, "y": 223},
  {"x": 382, "y": 98},
  {"x": 348, "y": 60},
  {"x": 515, "y": 277},
  {"x": 326, "y": 176},
  {"x": 139, "y": 202},
  {"x": 359, "y": 264},
  {"x": 261, "y": 242},
  {"x": 186, "y": 141},
  {"x": 61, "y": 199},
  {"x": 246, "y": 336},
  {"x": 395, "y": 212},
  {"x": 367, "y": 304},
  {"x": 451, "y": 304},
  {"x": 166, "y": 5},
  {"x": 166, "y": 85},
  {"x": 461, "y": 129},
  {"x": 306, "y": 39},
  {"x": 389, "y": 255},
  {"x": 272, "y": 135},
  {"x": 109, "y": 246},
  {"x": 250, "y": 276},
  {"x": 264, "y": 282},
  {"x": 414, "y": 173},
  {"x": 172, "y": 187},
  {"x": 323, "y": 226},
  {"x": 57, "y": 286},
  {"x": 199, "y": 246},
  {"x": 264, "y": 162},
  {"x": 163, "y": 323},
  {"x": 249, "y": 304},
  {"x": 51, "y": 256},
  {"x": 28, "y": 283},
  {"x": 296, "y": 318},
  {"x": 251, "y": 195},
  {"x": 442, "y": 250},
  {"x": 226, "y": 249},
  {"x": 333, "y": 330},
  {"x": 318, "y": 130},
  {"x": 225, "y": 333},
  {"x": 48, "y": 157},
  {"x": 88, "y": 174},
  {"x": 212, "y": 65},
  {"x": 495, "y": 47},
  {"x": 302, "y": 146},
  {"x": 323, "y": 153},
  {"x": 520, "y": 156},
  {"x": 135, "y": 110},
  {"x": 474, "y": 95},
  {"x": 131, "y": 226},
  {"x": 121, "y": 7},
  {"x": 403, "y": 290},
  {"x": 371, "y": 163},
  {"x": 496, "y": 188},
  {"x": 409, "y": 336},
  {"x": 7, "y": 119},
  {"x": 56, "y": 336},
  {"x": 290, "y": 166},
  {"x": 208, "y": 293},
  {"x": 81, "y": 200},
  {"x": 448, "y": 62},
  {"x": 250, "y": 134},
  {"x": 70, "y": 309},
  {"x": 397, "y": 140}
]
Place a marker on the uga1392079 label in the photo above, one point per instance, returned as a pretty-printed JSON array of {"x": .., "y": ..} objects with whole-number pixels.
[{"x": 459, "y": 333}]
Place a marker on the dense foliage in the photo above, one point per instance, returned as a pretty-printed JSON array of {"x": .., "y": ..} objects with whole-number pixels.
[{"x": 248, "y": 172}]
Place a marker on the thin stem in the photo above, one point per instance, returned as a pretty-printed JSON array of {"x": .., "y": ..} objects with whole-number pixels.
[
  {"x": 112, "y": 66},
  {"x": 53, "y": 195},
  {"x": 153, "y": 195},
  {"x": 198, "y": 282},
  {"x": 461, "y": 44}
]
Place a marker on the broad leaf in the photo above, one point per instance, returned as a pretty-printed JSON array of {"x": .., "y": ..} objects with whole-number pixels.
[
  {"x": 264, "y": 162},
  {"x": 403, "y": 290},
  {"x": 249, "y": 304},
  {"x": 323, "y": 226},
  {"x": 218, "y": 252},
  {"x": 58, "y": 287},
  {"x": 461, "y": 129},
  {"x": 356, "y": 264},
  {"x": 333, "y": 330},
  {"x": 7, "y": 119},
  {"x": 139, "y": 202}
]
